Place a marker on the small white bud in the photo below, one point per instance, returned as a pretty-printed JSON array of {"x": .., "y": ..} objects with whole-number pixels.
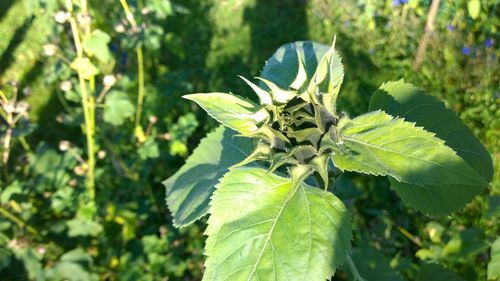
[
  {"x": 27, "y": 91},
  {"x": 145, "y": 11},
  {"x": 60, "y": 118},
  {"x": 83, "y": 18},
  {"x": 120, "y": 28},
  {"x": 72, "y": 182},
  {"x": 66, "y": 86},
  {"x": 64, "y": 145},
  {"x": 80, "y": 170},
  {"x": 41, "y": 250},
  {"x": 9, "y": 107},
  {"x": 49, "y": 49},
  {"x": 21, "y": 107},
  {"x": 61, "y": 16},
  {"x": 109, "y": 80},
  {"x": 101, "y": 154},
  {"x": 153, "y": 119}
]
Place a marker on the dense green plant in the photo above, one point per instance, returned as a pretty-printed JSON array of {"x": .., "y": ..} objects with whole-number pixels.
[
  {"x": 79, "y": 199},
  {"x": 269, "y": 221}
]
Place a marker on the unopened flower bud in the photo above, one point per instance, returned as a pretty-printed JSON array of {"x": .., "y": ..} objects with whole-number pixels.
[
  {"x": 66, "y": 86},
  {"x": 101, "y": 154},
  {"x": 21, "y": 107},
  {"x": 49, "y": 49},
  {"x": 109, "y": 80},
  {"x": 64, "y": 145},
  {"x": 61, "y": 16},
  {"x": 27, "y": 91},
  {"x": 120, "y": 28},
  {"x": 41, "y": 250},
  {"x": 153, "y": 119},
  {"x": 80, "y": 170},
  {"x": 9, "y": 107},
  {"x": 166, "y": 136},
  {"x": 72, "y": 182},
  {"x": 83, "y": 18}
]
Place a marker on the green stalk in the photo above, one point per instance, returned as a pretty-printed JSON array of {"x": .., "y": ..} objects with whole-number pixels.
[
  {"x": 17, "y": 220},
  {"x": 140, "y": 66},
  {"x": 140, "y": 96},
  {"x": 88, "y": 104}
]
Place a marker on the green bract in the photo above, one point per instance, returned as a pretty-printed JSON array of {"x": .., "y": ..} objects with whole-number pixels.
[{"x": 267, "y": 227}]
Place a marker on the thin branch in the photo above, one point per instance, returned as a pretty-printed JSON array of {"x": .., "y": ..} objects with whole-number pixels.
[
  {"x": 354, "y": 270},
  {"x": 424, "y": 40}
]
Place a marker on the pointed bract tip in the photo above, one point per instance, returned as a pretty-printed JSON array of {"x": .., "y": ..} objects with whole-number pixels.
[{"x": 334, "y": 40}]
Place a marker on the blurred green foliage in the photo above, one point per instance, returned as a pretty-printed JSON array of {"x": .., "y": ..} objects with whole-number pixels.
[{"x": 200, "y": 46}]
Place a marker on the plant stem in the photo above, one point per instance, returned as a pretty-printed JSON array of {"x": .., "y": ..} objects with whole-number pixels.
[
  {"x": 429, "y": 27},
  {"x": 140, "y": 64},
  {"x": 88, "y": 104},
  {"x": 140, "y": 96},
  {"x": 17, "y": 220},
  {"x": 6, "y": 146},
  {"x": 354, "y": 270}
]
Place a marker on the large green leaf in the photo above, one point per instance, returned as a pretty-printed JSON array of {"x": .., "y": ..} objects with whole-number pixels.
[
  {"x": 117, "y": 108},
  {"x": 494, "y": 264},
  {"x": 406, "y": 101},
  {"x": 260, "y": 228},
  {"x": 234, "y": 112},
  {"x": 282, "y": 66},
  {"x": 372, "y": 265},
  {"x": 96, "y": 44},
  {"x": 435, "y": 272},
  {"x": 428, "y": 175},
  {"x": 190, "y": 188}
]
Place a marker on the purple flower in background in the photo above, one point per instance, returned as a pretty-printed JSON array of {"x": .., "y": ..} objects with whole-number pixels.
[
  {"x": 466, "y": 51},
  {"x": 396, "y": 3},
  {"x": 450, "y": 27},
  {"x": 488, "y": 42}
]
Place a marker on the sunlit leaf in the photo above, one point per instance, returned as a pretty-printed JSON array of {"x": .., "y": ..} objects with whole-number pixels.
[
  {"x": 474, "y": 8},
  {"x": 85, "y": 67},
  {"x": 96, "y": 44},
  {"x": 117, "y": 108},
  {"x": 234, "y": 112},
  {"x": 83, "y": 227},
  {"x": 404, "y": 100},
  {"x": 149, "y": 149},
  {"x": 428, "y": 175},
  {"x": 260, "y": 228}
]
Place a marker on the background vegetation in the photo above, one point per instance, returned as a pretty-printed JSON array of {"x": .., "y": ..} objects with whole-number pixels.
[{"x": 55, "y": 224}]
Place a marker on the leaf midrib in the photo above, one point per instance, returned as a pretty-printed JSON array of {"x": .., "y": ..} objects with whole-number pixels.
[
  {"x": 289, "y": 197},
  {"x": 413, "y": 157}
]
